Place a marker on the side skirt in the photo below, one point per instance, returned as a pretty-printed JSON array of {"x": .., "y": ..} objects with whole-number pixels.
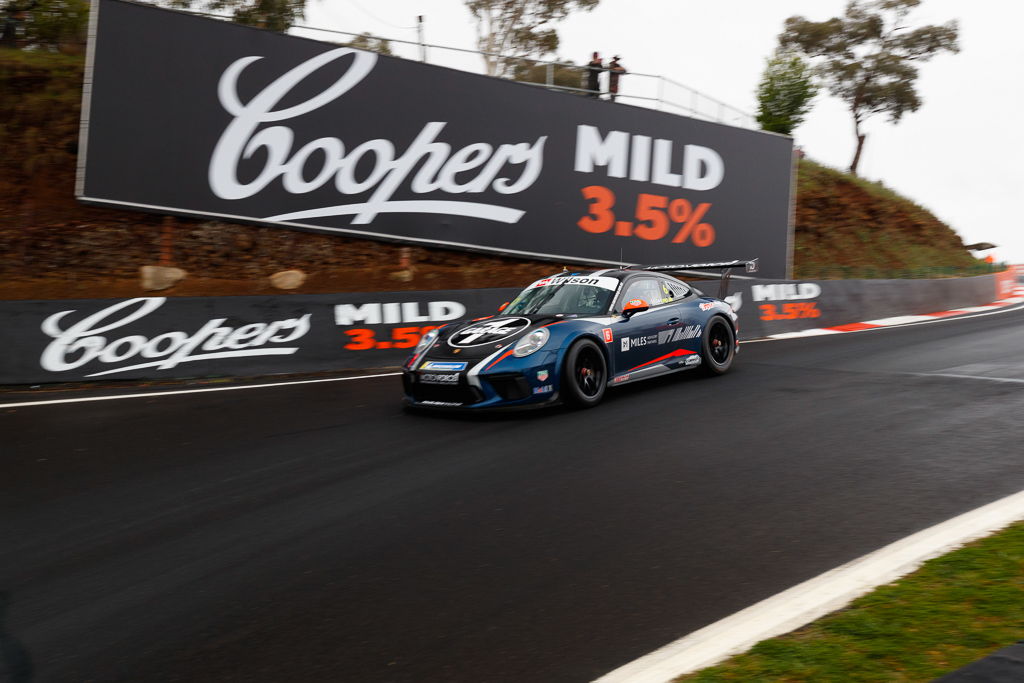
[{"x": 650, "y": 372}]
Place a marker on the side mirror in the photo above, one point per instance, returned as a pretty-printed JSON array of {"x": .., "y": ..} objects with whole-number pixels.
[
  {"x": 634, "y": 306},
  {"x": 502, "y": 307}
]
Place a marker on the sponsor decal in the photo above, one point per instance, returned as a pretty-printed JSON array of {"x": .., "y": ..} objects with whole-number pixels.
[
  {"x": 673, "y": 354},
  {"x": 560, "y": 280},
  {"x": 397, "y": 312},
  {"x": 450, "y": 366},
  {"x": 488, "y": 332},
  {"x": 438, "y": 378},
  {"x": 546, "y": 389},
  {"x": 89, "y": 340},
  {"x": 692, "y": 360},
  {"x": 542, "y": 375},
  {"x": 628, "y": 343},
  {"x": 446, "y": 404},
  {"x": 679, "y": 334},
  {"x": 707, "y": 306},
  {"x": 621, "y": 378},
  {"x": 607, "y": 332}
]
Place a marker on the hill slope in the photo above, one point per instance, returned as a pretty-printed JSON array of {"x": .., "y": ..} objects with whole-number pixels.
[
  {"x": 846, "y": 226},
  {"x": 53, "y": 247}
]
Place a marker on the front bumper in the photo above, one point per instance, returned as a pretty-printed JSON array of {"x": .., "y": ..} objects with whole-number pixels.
[{"x": 505, "y": 389}]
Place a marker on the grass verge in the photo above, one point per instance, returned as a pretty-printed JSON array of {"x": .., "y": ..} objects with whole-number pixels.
[{"x": 952, "y": 611}]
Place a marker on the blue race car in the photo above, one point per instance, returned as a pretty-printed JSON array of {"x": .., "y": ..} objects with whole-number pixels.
[{"x": 568, "y": 337}]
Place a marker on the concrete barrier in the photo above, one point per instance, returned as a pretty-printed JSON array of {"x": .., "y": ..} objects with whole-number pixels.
[{"x": 778, "y": 306}]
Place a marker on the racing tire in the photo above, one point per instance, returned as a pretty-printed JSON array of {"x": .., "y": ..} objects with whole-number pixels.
[
  {"x": 584, "y": 375},
  {"x": 718, "y": 346}
]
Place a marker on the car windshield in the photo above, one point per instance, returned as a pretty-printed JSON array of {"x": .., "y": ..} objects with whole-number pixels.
[{"x": 564, "y": 296}]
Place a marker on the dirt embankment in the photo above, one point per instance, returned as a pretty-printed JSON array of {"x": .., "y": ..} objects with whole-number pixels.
[{"x": 52, "y": 247}]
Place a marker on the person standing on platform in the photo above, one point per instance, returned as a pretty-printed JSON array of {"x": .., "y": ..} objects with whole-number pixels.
[
  {"x": 614, "y": 71},
  {"x": 594, "y": 69}
]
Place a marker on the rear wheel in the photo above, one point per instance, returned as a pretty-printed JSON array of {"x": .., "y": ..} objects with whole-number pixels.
[
  {"x": 718, "y": 347},
  {"x": 584, "y": 375}
]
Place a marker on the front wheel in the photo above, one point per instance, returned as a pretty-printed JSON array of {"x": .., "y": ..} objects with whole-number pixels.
[
  {"x": 584, "y": 375},
  {"x": 718, "y": 347}
]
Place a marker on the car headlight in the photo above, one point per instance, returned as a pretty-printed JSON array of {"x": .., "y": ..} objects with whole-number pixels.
[
  {"x": 425, "y": 341},
  {"x": 531, "y": 343}
]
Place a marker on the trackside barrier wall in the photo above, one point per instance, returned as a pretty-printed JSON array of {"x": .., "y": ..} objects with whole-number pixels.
[
  {"x": 777, "y": 306},
  {"x": 157, "y": 337},
  {"x": 178, "y": 337}
]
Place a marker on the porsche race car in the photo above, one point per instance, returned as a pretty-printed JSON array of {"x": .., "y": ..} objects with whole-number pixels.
[{"x": 569, "y": 337}]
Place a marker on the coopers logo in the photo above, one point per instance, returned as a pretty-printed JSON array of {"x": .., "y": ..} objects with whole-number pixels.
[
  {"x": 90, "y": 340},
  {"x": 489, "y": 332},
  {"x": 478, "y": 167}
]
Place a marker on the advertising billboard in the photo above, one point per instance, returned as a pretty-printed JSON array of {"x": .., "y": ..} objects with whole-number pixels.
[{"x": 202, "y": 117}]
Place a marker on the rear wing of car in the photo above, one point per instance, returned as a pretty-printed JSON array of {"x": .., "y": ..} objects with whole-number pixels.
[{"x": 694, "y": 269}]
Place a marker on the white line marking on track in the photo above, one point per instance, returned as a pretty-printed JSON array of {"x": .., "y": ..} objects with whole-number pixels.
[
  {"x": 815, "y": 598},
  {"x": 179, "y": 392},
  {"x": 1011, "y": 380}
]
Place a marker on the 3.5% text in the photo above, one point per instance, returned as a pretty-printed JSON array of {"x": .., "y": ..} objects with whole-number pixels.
[{"x": 656, "y": 216}]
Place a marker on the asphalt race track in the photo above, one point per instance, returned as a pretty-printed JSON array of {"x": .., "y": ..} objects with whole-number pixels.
[{"x": 318, "y": 533}]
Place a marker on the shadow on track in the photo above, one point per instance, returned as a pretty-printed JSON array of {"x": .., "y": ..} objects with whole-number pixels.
[{"x": 611, "y": 397}]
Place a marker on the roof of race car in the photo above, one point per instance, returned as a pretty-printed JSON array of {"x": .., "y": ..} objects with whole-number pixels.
[
  {"x": 691, "y": 270},
  {"x": 617, "y": 273}
]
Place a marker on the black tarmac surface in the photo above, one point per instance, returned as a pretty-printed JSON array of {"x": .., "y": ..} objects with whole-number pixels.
[{"x": 318, "y": 533}]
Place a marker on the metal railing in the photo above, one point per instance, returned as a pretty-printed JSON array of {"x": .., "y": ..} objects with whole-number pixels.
[{"x": 647, "y": 90}]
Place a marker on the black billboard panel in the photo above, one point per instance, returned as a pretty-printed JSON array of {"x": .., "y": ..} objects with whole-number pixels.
[{"x": 203, "y": 117}]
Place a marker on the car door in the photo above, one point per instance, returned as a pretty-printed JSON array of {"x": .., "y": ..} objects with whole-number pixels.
[
  {"x": 642, "y": 342},
  {"x": 682, "y": 334}
]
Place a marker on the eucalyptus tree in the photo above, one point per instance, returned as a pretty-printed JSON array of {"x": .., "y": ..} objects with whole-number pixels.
[
  {"x": 867, "y": 57},
  {"x": 509, "y": 31}
]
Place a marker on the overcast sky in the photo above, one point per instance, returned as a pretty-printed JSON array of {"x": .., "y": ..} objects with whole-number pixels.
[{"x": 958, "y": 155}]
